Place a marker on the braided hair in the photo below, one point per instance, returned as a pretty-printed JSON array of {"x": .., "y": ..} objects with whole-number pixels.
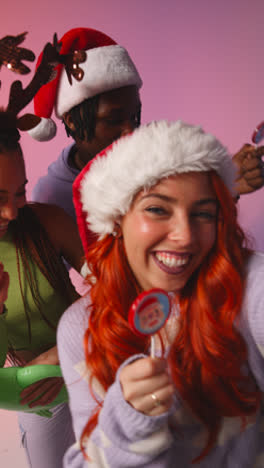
[{"x": 37, "y": 245}]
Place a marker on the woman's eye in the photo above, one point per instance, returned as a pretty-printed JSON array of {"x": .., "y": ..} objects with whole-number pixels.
[
  {"x": 205, "y": 215},
  {"x": 156, "y": 210}
]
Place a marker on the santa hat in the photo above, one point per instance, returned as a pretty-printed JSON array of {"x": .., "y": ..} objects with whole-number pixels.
[
  {"x": 107, "y": 66},
  {"x": 105, "y": 188}
]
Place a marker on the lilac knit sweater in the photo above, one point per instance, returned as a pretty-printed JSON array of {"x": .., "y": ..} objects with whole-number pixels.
[{"x": 125, "y": 438}]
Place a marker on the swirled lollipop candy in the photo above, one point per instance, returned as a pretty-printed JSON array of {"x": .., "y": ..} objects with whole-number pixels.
[
  {"x": 258, "y": 134},
  {"x": 148, "y": 313}
]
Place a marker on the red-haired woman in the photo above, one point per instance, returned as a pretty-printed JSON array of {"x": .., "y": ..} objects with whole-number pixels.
[{"x": 161, "y": 203}]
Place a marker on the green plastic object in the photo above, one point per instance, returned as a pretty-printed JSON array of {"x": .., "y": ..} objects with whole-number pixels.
[{"x": 14, "y": 379}]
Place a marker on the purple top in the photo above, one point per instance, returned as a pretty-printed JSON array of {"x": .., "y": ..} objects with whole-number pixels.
[
  {"x": 125, "y": 438},
  {"x": 55, "y": 188}
]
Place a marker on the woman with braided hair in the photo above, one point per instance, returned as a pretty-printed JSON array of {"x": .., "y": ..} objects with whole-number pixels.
[
  {"x": 161, "y": 202},
  {"x": 33, "y": 239}
]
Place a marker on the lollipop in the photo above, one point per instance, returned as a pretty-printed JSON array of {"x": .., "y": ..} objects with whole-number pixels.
[
  {"x": 258, "y": 134},
  {"x": 148, "y": 313}
]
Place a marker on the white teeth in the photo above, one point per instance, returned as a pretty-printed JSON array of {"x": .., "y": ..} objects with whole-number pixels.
[{"x": 171, "y": 261}]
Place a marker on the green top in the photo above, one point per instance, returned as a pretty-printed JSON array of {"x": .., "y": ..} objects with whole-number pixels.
[{"x": 42, "y": 335}]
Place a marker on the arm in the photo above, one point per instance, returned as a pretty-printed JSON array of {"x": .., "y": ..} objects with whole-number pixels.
[
  {"x": 43, "y": 392},
  {"x": 250, "y": 169},
  {"x": 14, "y": 380},
  {"x": 124, "y": 437},
  {"x": 254, "y": 300},
  {"x": 251, "y": 323}
]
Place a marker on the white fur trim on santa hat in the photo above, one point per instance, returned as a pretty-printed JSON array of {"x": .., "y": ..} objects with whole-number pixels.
[
  {"x": 140, "y": 160},
  {"x": 105, "y": 68},
  {"x": 44, "y": 131}
]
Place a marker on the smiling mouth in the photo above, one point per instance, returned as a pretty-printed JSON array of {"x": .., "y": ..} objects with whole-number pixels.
[{"x": 172, "y": 263}]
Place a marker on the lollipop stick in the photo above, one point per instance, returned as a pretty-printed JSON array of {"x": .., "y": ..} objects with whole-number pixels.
[{"x": 152, "y": 346}]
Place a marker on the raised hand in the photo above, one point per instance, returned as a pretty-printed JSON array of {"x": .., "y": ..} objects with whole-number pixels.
[{"x": 250, "y": 169}]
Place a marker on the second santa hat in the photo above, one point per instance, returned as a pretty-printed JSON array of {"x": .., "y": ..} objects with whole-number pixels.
[{"x": 107, "y": 66}]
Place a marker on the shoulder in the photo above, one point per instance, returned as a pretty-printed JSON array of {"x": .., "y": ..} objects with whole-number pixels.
[
  {"x": 255, "y": 271},
  {"x": 71, "y": 330},
  {"x": 256, "y": 260},
  {"x": 252, "y": 314},
  {"x": 77, "y": 315},
  {"x": 58, "y": 170}
]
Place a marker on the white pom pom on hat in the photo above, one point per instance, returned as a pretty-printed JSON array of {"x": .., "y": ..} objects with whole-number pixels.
[
  {"x": 107, "y": 66},
  {"x": 105, "y": 188}
]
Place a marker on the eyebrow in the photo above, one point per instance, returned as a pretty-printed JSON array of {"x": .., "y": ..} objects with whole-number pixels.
[
  {"x": 22, "y": 186},
  {"x": 202, "y": 201}
]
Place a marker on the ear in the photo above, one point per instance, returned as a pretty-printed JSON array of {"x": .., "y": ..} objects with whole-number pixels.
[
  {"x": 68, "y": 121},
  {"x": 117, "y": 232}
]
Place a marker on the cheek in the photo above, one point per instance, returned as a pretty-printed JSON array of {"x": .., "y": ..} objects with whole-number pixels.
[
  {"x": 21, "y": 202},
  {"x": 107, "y": 134},
  {"x": 208, "y": 238},
  {"x": 140, "y": 225}
]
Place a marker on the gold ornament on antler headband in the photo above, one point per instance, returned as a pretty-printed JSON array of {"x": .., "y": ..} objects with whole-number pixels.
[{"x": 71, "y": 61}]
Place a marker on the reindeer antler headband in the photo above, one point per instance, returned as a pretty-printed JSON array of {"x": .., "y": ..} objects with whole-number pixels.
[{"x": 11, "y": 56}]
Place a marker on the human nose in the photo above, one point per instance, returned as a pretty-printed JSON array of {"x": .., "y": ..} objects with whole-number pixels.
[
  {"x": 181, "y": 230},
  {"x": 9, "y": 211}
]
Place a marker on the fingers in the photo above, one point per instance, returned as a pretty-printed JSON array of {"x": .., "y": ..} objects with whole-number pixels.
[
  {"x": 250, "y": 168},
  {"x": 143, "y": 379},
  {"x": 248, "y": 152},
  {"x": 144, "y": 368},
  {"x": 253, "y": 174},
  {"x": 41, "y": 393}
]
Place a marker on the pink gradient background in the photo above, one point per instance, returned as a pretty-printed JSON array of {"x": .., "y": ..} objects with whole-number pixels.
[{"x": 200, "y": 61}]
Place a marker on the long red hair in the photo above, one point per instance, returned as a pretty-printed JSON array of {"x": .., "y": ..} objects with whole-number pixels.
[{"x": 207, "y": 355}]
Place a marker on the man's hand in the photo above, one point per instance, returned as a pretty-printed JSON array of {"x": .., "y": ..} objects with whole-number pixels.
[
  {"x": 250, "y": 169},
  {"x": 42, "y": 392}
]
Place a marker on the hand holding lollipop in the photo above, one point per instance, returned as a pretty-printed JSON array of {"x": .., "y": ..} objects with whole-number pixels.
[{"x": 148, "y": 313}]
